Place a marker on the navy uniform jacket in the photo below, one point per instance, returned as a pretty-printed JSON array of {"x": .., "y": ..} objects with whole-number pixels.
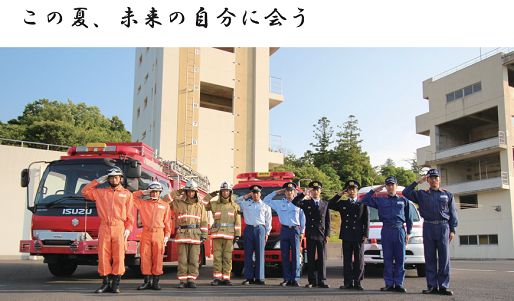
[
  {"x": 354, "y": 218},
  {"x": 434, "y": 204},
  {"x": 317, "y": 220}
]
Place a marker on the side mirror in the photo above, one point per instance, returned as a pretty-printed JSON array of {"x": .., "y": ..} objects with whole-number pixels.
[
  {"x": 25, "y": 178},
  {"x": 134, "y": 171},
  {"x": 132, "y": 184},
  {"x": 109, "y": 162}
]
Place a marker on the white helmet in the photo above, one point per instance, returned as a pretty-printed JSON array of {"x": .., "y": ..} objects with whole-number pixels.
[
  {"x": 191, "y": 185},
  {"x": 114, "y": 171},
  {"x": 154, "y": 186},
  {"x": 225, "y": 186}
]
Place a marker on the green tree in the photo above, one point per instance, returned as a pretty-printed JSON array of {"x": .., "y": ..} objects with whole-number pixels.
[
  {"x": 306, "y": 170},
  {"x": 323, "y": 135},
  {"x": 350, "y": 162},
  {"x": 60, "y": 123},
  {"x": 404, "y": 176}
]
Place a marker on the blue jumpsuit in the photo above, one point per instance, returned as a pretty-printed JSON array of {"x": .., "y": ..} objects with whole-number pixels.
[
  {"x": 393, "y": 212},
  {"x": 438, "y": 209}
]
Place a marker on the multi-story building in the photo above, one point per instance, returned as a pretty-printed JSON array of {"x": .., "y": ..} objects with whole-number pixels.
[
  {"x": 208, "y": 108},
  {"x": 470, "y": 123}
]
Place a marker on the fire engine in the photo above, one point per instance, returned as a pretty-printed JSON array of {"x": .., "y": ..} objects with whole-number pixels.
[
  {"x": 270, "y": 181},
  {"x": 65, "y": 224}
]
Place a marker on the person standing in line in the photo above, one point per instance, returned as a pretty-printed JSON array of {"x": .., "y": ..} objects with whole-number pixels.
[
  {"x": 224, "y": 232},
  {"x": 292, "y": 231},
  {"x": 354, "y": 233},
  {"x": 438, "y": 209},
  {"x": 115, "y": 207},
  {"x": 394, "y": 212},
  {"x": 257, "y": 217},
  {"x": 156, "y": 218},
  {"x": 317, "y": 232},
  {"x": 192, "y": 229}
]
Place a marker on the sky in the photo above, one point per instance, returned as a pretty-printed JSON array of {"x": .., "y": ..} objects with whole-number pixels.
[{"x": 381, "y": 87}]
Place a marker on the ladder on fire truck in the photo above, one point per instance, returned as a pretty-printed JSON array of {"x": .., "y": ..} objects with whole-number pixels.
[
  {"x": 190, "y": 120},
  {"x": 179, "y": 170}
]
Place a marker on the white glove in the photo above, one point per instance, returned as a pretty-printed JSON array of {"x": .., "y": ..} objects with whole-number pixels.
[
  {"x": 102, "y": 179},
  {"x": 146, "y": 192},
  {"x": 126, "y": 234},
  {"x": 165, "y": 240}
]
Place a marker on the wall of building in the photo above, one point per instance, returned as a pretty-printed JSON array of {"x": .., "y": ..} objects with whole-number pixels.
[
  {"x": 484, "y": 220},
  {"x": 15, "y": 219}
]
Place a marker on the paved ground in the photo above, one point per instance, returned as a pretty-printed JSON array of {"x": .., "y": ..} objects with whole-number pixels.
[{"x": 471, "y": 280}]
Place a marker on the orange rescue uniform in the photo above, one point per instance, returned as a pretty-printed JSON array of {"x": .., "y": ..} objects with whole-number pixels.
[
  {"x": 156, "y": 219},
  {"x": 115, "y": 207}
]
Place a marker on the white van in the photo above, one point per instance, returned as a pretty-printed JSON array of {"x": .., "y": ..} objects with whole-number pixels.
[{"x": 414, "y": 255}]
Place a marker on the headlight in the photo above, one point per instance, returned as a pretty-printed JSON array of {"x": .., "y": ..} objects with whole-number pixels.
[
  {"x": 35, "y": 233},
  {"x": 416, "y": 240},
  {"x": 277, "y": 245}
]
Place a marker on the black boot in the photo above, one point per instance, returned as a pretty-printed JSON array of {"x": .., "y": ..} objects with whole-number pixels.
[
  {"x": 145, "y": 285},
  {"x": 106, "y": 286},
  {"x": 155, "y": 284},
  {"x": 116, "y": 284}
]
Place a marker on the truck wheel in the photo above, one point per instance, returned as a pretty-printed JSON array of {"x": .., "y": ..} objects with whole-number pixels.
[
  {"x": 421, "y": 270},
  {"x": 237, "y": 268},
  {"x": 63, "y": 268},
  {"x": 136, "y": 270}
]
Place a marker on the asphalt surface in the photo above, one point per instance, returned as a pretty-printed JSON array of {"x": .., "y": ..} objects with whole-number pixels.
[{"x": 470, "y": 280}]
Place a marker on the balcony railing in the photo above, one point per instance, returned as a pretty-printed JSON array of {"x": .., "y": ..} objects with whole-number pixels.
[
  {"x": 472, "y": 61},
  {"x": 275, "y": 144},
  {"x": 31, "y": 144},
  {"x": 465, "y": 149},
  {"x": 275, "y": 85}
]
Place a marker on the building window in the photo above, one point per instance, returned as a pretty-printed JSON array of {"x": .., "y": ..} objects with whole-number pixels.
[
  {"x": 475, "y": 240},
  {"x": 145, "y": 102},
  {"x": 146, "y": 77},
  {"x": 139, "y": 89},
  {"x": 468, "y": 201},
  {"x": 138, "y": 112},
  {"x": 140, "y": 59},
  {"x": 510, "y": 75},
  {"x": 144, "y": 135},
  {"x": 466, "y": 91}
]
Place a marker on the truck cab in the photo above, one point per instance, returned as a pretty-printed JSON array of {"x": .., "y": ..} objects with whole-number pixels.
[
  {"x": 414, "y": 254},
  {"x": 270, "y": 181},
  {"x": 65, "y": 224}
]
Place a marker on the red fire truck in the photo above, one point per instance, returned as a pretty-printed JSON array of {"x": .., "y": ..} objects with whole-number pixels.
[
  {"x": 65, "y": 224},
  {"x": 270, "y": 181}
]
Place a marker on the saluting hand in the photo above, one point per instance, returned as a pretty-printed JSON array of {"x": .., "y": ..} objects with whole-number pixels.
[
  {"x": 214, "y": 193},
  {"x": 281, "y": 191},
  {"x": 247, "y": 196},
  {"x": 423, "y": 179},
  {"x": 343, "y": 192},
  {"x": 379, "y": 188}
]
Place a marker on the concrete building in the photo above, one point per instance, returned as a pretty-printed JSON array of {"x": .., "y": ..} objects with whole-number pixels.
[
  {"x": 470, "y": 124},
  {"x": 207, "y": 107}
]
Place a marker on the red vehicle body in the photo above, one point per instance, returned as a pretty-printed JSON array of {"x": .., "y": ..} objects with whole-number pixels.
[
  {"x": 65, "y": 224},
  {"x": 270, "y": 181}
]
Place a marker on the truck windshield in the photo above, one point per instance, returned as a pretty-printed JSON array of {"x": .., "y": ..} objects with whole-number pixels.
[
  {"x": 264, "y": 192},
  {"x": 62, "y": 184},
  {"x": 373, "y": 214}
]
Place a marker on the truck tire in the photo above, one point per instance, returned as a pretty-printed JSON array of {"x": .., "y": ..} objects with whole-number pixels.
[
  {"x": 237, "y": 268},
  {"x": 62, "y": 268},
  {"x": 421, "y": 270},
  {"x": 136, "y": 270}
]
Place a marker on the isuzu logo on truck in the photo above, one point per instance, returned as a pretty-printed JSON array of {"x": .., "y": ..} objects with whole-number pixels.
[{"x": 77, "y": 211}]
